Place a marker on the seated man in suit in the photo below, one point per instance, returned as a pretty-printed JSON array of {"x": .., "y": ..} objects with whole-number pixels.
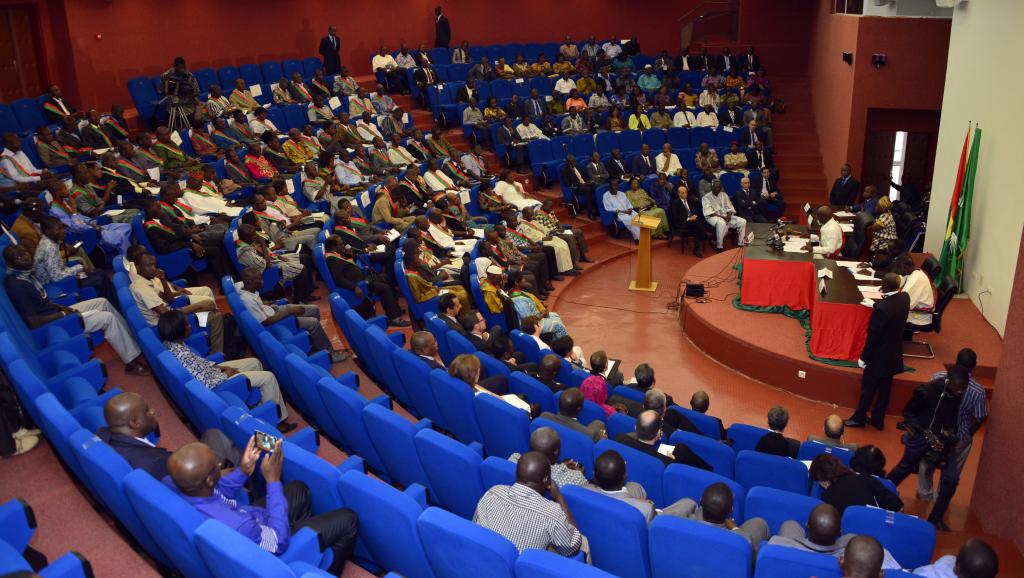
[
  {"x": 647, "y": 439},
  {"x": 130, "y": 420},
  {"x": 774, "y": 442},
  {"x": 643, "y": 381},
  {"x": 655, "y": 399},
  {"x": 475, "y": 327},
  {"x": 759, "y": 158},
  {"x": 423, "y": 345},
  {"x": 749, "y": 204},
  {"x": 610, "y": 480},
  {"x": 567, "y": 472},
  {"x": 834, "y": 430},
  {"x": 570, "y": 404},
  {"x": 448, "y": 309},
  {"x": 716, "y": 507},
  {"x": 823, "y": 535},
  {"x": 699, "y": 402},
  {"x": 196, "y": 477},
  {"x": 581, "y": 186},
  {"x": 750, "y": 135}
]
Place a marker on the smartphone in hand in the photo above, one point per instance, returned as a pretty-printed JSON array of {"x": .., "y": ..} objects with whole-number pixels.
[{"x": 265, "y": 442}]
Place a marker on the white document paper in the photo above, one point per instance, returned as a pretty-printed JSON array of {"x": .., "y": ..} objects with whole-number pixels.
[
  {"x": 807, "y": 207},
  {"x": 176, "y": 138},
  {"x": 515, "y": 402},
  {"x": 113, "y": 212},
  {"x": 870, "y": 291},
  {"x": 100, "y": 152},
  {"x": 154, "y": 173},
  {"x": 364, "y": 198},
  {"x": 478, "y": 233},
  {"x": 846, "y": 227},
  {"x": 667, "y": 450},
  {"x": 519, "y": 81},
  {"x": 256, "y": 90},
  {"x": 848, "y": 264},
  {"x": 153, "y": 190},
  {"x": 334, "y": 102},
  {"x": 464, "y": 197},
  {"x": 392, "y": 234},
  {"x": 289, "y": 185},
  {"x": 727, "y": 128},
  {"x": 201, "y": 317},
  {"x": 825, "y": 272},
  {"x": 860, "y": 277},
  {"x": 843, "y": 214}
]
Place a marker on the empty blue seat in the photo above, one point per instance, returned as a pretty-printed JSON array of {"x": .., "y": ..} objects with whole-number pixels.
[
  {"x": 745, "y": 437},
  {"x": 295, "y": 116},
  {"x": 759, "y": 469},
  {"x": 271, "y": 71},
  {"x": 290, "y": 67},
  {"x": 702, "y": 135},
  {"x": 29, "y": 113},
  {"x": 606, "y": 141},
  {"x": 459, "y": 345},
  {"x": 8, "y": 122},
  {"x": 310, "y": 65},
  {"x": 535, "y": 391},
  {"x": 654, "y": 138},
  {"x": 731, "y": 182},
  {"x": 251, "y": 73},
  {"x": 616, "y": 531},
  {"x": 620, "y": 423},
  {"x": 775, "y": 561},
  {"x": 458, "y": 548},
  {"x": 688, "y": 548},
  {"x": 681, "y": 481},
  {"x": 227, "y": 75},
  {"x": 909, "y": 539},
  {"x": 629, "y": 141},
  {"x": 497, "y": 471},
  {"x": 205, "y": 77},
  {"x": 439, "y": 329},
  {"x": 505, "y": 429},
  {"x": 413, "y": 372},
  {"x": 344, "y": 407},
  {"x": 640, "y": 468},
  {"x": 679, "y": 138},
  {"x": 392, "y": 437},
  {"x": 544, "y": 564},
  {"x": 719, "y": 456},
  {"x": 777, "y": 506},
  {"x": 453, "y": 469},
  {"x": 583, "y": 146}
]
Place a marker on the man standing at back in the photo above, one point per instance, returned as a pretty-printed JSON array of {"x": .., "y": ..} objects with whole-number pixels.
[
  {"x": 330, "y": 49},
  {"x": 882, "y": 357},
  {"x": 442, "y": 30}
]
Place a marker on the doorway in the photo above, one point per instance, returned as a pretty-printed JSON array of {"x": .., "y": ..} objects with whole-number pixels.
[
  {"x": 899, "y": 147},
  {"x": 19, "y": 53}
]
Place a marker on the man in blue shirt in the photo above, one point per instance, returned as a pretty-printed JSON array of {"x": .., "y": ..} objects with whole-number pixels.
[{"x": 195, "y": 474}]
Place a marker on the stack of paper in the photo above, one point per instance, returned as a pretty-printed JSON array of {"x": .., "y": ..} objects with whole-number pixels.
[
  {"x": 795, "y": 246},
  {"x": 870, "y": 291},
  {"x": 846, "y": 227},
  {"x": 861, "y": 277},
  {"x": 843, "y": 214}
]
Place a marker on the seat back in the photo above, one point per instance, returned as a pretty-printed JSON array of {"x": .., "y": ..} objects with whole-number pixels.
[
  {"x": 745, "y": 437},
  {"x": 457, "y": 548},
  {"x": 932, "y": 268},
  {"x": 810, "y": 450},
  {"x": 777, "y": 506},
  {"x": 575, "y": 445},
  {"x": 616, "y": 531},
  {"x": 169, "y": 519},
  {"x": 708, "y": 425},
  {"x": 58, "y": 426},
  {"x": 414, "y": 373},
  {"x": 774, "y": 561},
  {"x": 439, "y": 329},
  {"x": 640, "y": 468},
  {"x": 525, "y": 344},
  {"x": 505, "y": 429},
  {"x": 453, "y": 470},
  {"x": 544, "y": 564},
  {"x": 455, "y": 400},
  {"x": 719, "y": 456},
  {"x": 344, "y": 408},
  {"x": 392, "y": 437},
  {"x": 946, "y": 290},
  {"x": 760, "y": 469},
  {"x": 271, "y": 72},
  {"x": 251, "y": 73},
  {"x": 535, "y": 391},
  {"x": 629, "y": 141},
  {"x": 682, "y": 547},
  {"x": 458, "y": 345},
  {"x": 380, "y": 348},
  {"x": 29, "y": 113},
  {"x": 682, "y": 481},
  {"x": 909, "y": 539},
  {"x": 8, "y": 122},
  {"x": 387, "y": 523},
  {"x": 229, "y": 554},
  {"x": 205, "y": 77}
]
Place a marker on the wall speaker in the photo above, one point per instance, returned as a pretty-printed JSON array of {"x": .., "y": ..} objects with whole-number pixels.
[{"x": 848, "y": 58}]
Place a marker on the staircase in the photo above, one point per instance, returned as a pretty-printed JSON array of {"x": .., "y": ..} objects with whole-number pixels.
[{"x": 797, "y": 155}]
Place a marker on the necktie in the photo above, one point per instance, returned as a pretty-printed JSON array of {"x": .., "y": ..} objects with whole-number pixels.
[{"x": 647, "y": 161}]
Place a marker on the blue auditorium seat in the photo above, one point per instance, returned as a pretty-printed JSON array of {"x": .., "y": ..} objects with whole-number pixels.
[
  {"x": 505, "y": 429},
  {"x": 458, "y": 345},
  {"x": 497, "y": 471},
  {"x": 251, "y": 73},
  {"x": 653, "y": 138},
  {"x": 453, "y": 469},
  {"x": 679, "y": 138},
  {"x": 688, "y": 548},
  {"x": 413, "y": 372},
  {"x": 582, "y": 147},
  {"x": 439, "y": 329},
  {"x": 606, "y": 141},
  {"x": 617, "y": 532},
  {"x": 9, "y": 122},
  {"x": 745, "y": 437},
  {"x": 544, "y": 564},
  {"x": 719, "y": 456},
  {"x": 640, "y": 468},
  {"x": 229, "y": 554},
  {"x": 630, "y": 141},
  {"x": 810, "y": 450},
  {"x": 29, "y": 113},
  {"x": 777, "y": 506},
  {"x": 575, "y": 445},
  {"x": 455, "y": 400},
  {"x": 761, "y": 469},
  {"x": 458, "y": 548},
  {"x": 707, "y": 424},
  {"x": 205, "y": 77},
  {"x": 909, "y": 539},
  {"x": 775, "y": 561},
  {"x": 535, "y": 391},
  {"x": 345, "y": 406},
  {"x": 392, "y": 437},
  {"x": 227, "y": 75}
]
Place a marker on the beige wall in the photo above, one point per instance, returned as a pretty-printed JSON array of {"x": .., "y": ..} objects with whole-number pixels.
[
  {"x": 832, "y": 84},
  {"x": 981, "y": 87}
]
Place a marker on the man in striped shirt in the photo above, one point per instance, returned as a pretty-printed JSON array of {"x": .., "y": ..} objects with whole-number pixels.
[
  {"x": 522, "y": 514},
  {"x": 972, "y": 414}
]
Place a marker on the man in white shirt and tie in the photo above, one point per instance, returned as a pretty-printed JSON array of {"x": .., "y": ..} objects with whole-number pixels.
[
  {"x": 830, "y": 237},
  {"x": 529, "y": 131},
  {"x": 667, "y": 162},
  {"x": 398, "y": 154},
  {"x": 473, "y": 162},
  {"x": 684, "y": 118},
  {"x": 721, "y": 215}
]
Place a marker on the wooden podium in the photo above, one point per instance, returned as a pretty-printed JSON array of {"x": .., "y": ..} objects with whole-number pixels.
[{"x": 643, "y": 268}]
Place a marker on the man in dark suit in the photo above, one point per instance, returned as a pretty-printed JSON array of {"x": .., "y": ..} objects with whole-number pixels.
[
  {"x": 442, "y": 30},
  {"x": 515, "y": 146},
  {"x": 700, "y": 402},
  {"x": 570, "y": 403},
  {"x": 582, "y": 189},
  {"x": 882, "y": 356},
  {"x": 423, "y": 345},
  {"x": 751, "y": 134},
  {"x": 774, "y": 442},
  {"x": 475, "y": 326},
  {"x": 644, "y": 164},
  {"x": 330, "y": 51},
  {"x": 647, "y": 439},
  {"x": 425, "y": 77},
  {"x": 616, "y": 165},
  {"x": 749, "y": 62},
  {"x": 845, "y": 189},
  {"x": 749, "y": 203},
  {"x": 547, "y": 373},
  {"x": 130, "y": 420},
  {"x": 448, "y": 309},
  {"x": 467, "y": 91},
  {"x": 758, "y": 158},
  {"x": 730, "y": 115},
  {"x": 657, "y": 400},
  {"x": 56, "y": 108}
]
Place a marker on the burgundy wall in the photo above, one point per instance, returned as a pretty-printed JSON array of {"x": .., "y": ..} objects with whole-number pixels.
[
  {"x": 996, "y": 499},
  {"x": 143, "y": 36},
  {"x": 832, "y": 83}
]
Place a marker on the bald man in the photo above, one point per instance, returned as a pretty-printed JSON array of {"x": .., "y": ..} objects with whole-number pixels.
[
  {"x": 130, "y": 420},
  {"x": 269, "y": 522},
  {"x": 862, "y": 559},
  {"x": 976, "y": 559},
  {"x": 548, "y": 370},
  {"x": 822, "y": 535},
  {"x": 610, "y": 480},
  {"x": 522, "y": 514},
  {"x": 570, "y": 404},
  {"x": 563, "y": 472},
  {"x": 834, "y": 430},
  {"x": 830, "y": 237},
  {"x": 715, "y": 509},
  {"x": 647, "y": 439},
  {"x": 700, "y": 402}
]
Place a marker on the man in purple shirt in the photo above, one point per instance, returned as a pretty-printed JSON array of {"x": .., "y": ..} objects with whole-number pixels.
[{"x": 195, "y": 473}]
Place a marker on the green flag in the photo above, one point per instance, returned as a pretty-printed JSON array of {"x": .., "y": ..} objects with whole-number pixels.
[{"x": 958, "y": 228}]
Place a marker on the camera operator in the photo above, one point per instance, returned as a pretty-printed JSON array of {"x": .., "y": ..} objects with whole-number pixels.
[
  {"x": 930, "y": 420},
  {"x": 181, "y": 90}
]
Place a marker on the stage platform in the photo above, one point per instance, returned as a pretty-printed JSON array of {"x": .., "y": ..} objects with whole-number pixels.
[{"x": 772, "y": 348}]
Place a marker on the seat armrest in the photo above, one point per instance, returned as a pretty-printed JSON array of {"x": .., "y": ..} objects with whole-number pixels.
[
  {"x": 476, "y": 447},
  {"x": 322, "y": 359},
  {"x": 216, "y": 357},
  {"x": 382, "y": 400},
  {"x": 349, "y": 378},
  {"x": 398, "y": 338},
  {"x": 238, "y": 385},
  {"x": 353, "y": 463},
  {"x": 18, "y": 523},
  {"x": 267, "y": 411},
  {"x": 306, "y": 438},
  {"x": 303, "y": 547},
  {"x": 418, "y": 493},
  {"x": 423, "y": 424},
  {"x": 379, "y": 321},
  {"x": 70, "y": 565}
]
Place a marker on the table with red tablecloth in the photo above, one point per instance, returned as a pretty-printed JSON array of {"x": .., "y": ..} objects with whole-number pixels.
[{"x": 774, "y": 279}]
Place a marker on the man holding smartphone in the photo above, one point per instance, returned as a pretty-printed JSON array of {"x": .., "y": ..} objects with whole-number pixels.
[{"x": 270, "y": 522}]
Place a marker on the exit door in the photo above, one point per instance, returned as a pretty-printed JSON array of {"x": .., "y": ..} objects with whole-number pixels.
[{"x": 19, "y": 54}]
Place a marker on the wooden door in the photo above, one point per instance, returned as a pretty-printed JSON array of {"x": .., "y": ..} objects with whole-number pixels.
[
  {"x": 878, "y": 150},
  {"x": 19, "y": 54},
  {"x": 915, "y": 159}
]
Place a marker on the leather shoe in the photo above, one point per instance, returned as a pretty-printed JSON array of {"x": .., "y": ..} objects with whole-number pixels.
[
  {"x": 399, "y": 322},
  {"x": 853, "y": 423},
  {"x": 586, "y": 260},
  {"x": 286, "y": 426},
  {"x": 940, "y": 525},
  {"x": 878, "y": 425}
]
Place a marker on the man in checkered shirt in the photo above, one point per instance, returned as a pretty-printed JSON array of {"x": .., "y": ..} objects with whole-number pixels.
[{"x": 522, "y": 514}]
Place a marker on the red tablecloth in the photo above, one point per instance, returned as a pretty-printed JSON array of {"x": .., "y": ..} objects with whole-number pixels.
[
  {"x": 777, "y": 283},
  {"x": 838, "y": 330}
]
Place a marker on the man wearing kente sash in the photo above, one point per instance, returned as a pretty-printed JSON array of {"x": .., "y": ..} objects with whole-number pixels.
[
  {"x": 50, "y": 152},
  {"x": 528, "y": 305},
  {"x": 242, "y": 98},
  {"x": 315, "y": 187},
  {"x": 425, "y": 284},
  {"x": 457, "y": 216},
  {"x": 456, "y": 175},
  {"x": 299, "y": 92},
  {"x": 440, "y": 145},
  {"x": 125, "y": 166},
  {"x": 367, "y": 130},
  {"x": 16, "y": 164},
  {"x": 262, "y": 124},
  {"x": 179, "y": 229},
  {"x": 538, "y": 234},
  {"x": 454, "y": 242},
  {"x": 70, "y": 137},
  {"x": 253, "y": 251},
  {"x": 419, "y": 147},
  {"x": 363, "y": 237},
  {"x": 412, "y": 190},
  {"x": 115, "y": 124},
  {"x": 282, "y": 231},
  {"x": 380, "y": 162},
  {"x": 170, "y": 153},
  {"x": 399, "y": 155},
  {"x": 274, "y": 152},
  {"x": 113, "y": 236},
  {"x": 298, "y": 149},
  {"x": 318, "y": 85},
  {"x": 360, "y": 103},
  {"x": 204, "y": 201},
  {"x": 93, "y": 135},
  {"x": 474, "y": 165},
  {"x": 91, "y": 200},
  {"x": 258, "y": 165},
  {"x": 145, "y": 155},
  {"x": 491, "y": 201},
  {"x": 286, "y": 204},
  {"x": 55, "y": 107},
  {"x": 346, "y": 273},
  {"x": 238, "y": 128},
  {"x": 347, "y": 134},
  {"x": 374, "y": 170},
  {"x": 387, "y": 210},
  {"x": 540, "y": 261},
  {"x": 319, "y": 113},
  {"x": 207, "y": 227},
  {"x": 348, "y": 176},
  {"x": 236, "y": 171},
  {"x": 216, "y": 105},
  {"x": 344, "y": 84},
  {"x": 393, "y": 125},
  {"x": 221, "y": 137},
  {"x": 203, "y": 144},
  {"x": 282, "y": 92}
]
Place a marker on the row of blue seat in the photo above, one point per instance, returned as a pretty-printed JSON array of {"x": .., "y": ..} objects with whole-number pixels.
[{"x": 17, "y": 527}]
